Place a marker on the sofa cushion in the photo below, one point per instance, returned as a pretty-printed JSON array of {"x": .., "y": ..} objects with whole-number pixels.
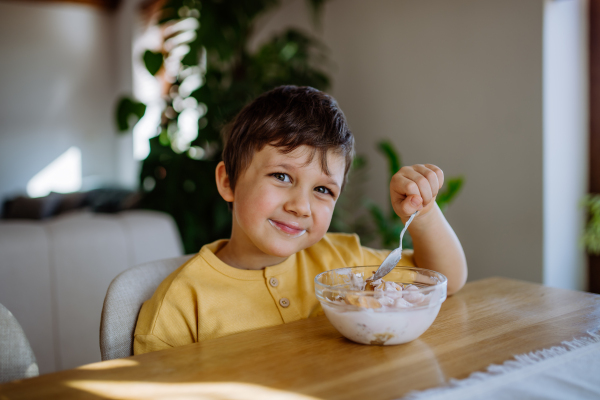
[{"x": 54, "y": 275}]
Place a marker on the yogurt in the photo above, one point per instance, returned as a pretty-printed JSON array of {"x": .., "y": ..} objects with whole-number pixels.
[{"x": 369, "y": 326}]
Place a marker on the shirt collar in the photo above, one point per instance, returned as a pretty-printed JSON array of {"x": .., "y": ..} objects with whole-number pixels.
[{"x": 208, "y": 254}]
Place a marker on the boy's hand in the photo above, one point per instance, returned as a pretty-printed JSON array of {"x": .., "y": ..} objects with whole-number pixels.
[{"x": 415, "y": 188}]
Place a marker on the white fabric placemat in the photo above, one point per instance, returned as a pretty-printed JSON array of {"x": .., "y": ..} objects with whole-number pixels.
[{"x": 569, "y": 371}]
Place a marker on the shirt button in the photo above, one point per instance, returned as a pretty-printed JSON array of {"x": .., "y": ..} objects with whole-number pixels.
[
  {"x": 285, "y": 303},
  {"x": 273, "y": 282}
]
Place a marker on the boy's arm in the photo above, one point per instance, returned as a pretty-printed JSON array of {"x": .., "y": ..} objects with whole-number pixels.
[{"x": 435, "y": 244}]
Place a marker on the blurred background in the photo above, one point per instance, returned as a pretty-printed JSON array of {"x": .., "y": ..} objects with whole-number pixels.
[{"x": 121, "y": 101}]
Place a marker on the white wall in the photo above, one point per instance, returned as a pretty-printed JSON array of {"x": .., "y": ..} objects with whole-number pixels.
[
  {"x": 565, "y": 142},
  {"x": 59, "y": 76},
  {"x": 458, "y": 84}
]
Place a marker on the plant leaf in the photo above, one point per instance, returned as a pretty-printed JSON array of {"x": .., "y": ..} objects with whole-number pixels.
[
  {"x": 127, "y": 108},
  {"x": 391, "y": 155},
  {"x": 591, "y": 235},
  {"x": 394, "y": 164},
  {"x": 153, "y": 61},
  {"x": 453, "y": 187}
]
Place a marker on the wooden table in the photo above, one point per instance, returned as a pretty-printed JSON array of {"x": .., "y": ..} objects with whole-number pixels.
[{"x": 487, "y": 322}]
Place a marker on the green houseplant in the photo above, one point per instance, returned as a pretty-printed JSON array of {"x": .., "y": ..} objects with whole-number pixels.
[{"x": 591, "y": 235}]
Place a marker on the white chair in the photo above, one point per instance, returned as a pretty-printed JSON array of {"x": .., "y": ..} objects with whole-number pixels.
[
  {"x": 17, "y": 360},
  {"x": 54, "y": 274},
  {"x": 123, "y": 301}
]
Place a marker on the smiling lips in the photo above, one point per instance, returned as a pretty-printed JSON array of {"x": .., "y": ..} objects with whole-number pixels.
[{"x": 288, "y": 229}]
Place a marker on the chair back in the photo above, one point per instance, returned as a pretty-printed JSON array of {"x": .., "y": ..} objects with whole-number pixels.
[
  {"x": 123, "y": 301},
  {"x": 17, "y": 360}
]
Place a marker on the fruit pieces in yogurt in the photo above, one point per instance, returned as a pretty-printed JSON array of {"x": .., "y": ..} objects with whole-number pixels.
[{"x": 386, "y": 294}]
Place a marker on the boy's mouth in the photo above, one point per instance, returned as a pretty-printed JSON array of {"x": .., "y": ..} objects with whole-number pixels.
[{"x": 288, "y": 229}]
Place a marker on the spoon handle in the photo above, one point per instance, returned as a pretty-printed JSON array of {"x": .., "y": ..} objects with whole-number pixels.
[{"x": 406, "y": 226}]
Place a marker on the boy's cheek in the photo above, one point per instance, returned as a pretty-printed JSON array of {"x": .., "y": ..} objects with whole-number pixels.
[
  {"x": 259, "y": 206},
  {"x": 323, "y": 219},
  {"x": 326, "y": 210}
]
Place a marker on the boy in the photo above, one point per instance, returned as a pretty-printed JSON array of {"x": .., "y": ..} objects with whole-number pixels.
[{"x": 285, "y": 162}]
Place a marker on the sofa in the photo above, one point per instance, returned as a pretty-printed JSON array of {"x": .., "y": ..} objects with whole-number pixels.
[{"x": 54, "y": 274}]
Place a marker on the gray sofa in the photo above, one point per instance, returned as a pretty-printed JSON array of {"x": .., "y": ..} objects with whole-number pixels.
[{"x": 54, "y": 274}]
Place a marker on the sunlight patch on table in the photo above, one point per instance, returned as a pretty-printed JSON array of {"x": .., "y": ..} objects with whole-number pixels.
[
  {"x": 118, "y": 363},
  {"x": 180, "y": 391}
]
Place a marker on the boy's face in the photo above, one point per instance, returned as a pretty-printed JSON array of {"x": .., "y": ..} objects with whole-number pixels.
[{"x": 283, "y": 203}]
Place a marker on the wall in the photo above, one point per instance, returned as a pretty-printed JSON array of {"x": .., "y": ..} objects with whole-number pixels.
[
  {"x": 453, "y": 83},
  {"x": 59, "y": 80}
]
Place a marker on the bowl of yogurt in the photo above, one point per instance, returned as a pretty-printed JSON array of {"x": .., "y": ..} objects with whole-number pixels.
[{"x": 389, "y": 311}]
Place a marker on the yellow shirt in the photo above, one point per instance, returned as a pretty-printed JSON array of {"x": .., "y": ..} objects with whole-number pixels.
[{"x": 206, "y": 298}]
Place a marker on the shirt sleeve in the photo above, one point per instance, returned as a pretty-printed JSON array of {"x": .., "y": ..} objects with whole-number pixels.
[
  {"x": 163, "y": 327},
  {"x": 148, "y": 343},
  {"x": 169, "y": 318}
]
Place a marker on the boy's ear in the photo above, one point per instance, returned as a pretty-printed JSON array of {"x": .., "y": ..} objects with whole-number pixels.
[{"x": 223, "y": 184}]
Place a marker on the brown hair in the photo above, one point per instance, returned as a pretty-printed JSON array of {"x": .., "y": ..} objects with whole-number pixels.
[{"x": 287, "y": 117}]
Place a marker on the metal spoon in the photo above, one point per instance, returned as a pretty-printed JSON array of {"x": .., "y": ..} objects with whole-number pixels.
[{"x": 394, "y": 257}]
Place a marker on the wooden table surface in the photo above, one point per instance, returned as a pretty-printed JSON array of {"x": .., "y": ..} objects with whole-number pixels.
[{"x": 487, "y": 322}]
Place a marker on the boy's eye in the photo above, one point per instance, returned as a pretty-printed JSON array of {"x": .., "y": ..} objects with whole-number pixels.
[
  {"x": 281, "y": 176},
  {"x": 323, "y": 189}
]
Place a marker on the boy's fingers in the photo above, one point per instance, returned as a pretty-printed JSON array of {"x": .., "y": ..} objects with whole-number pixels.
[
  {"x": 438, "y": 171},
  {"x": 424, "y": 186},
  {"x": 411, "y": 204},
  {"x": 402, "y": 186},
  {"x": 405, "y": 193},
  {"x": 414, "y": 187},
  {"x": 431, "y": 177}
]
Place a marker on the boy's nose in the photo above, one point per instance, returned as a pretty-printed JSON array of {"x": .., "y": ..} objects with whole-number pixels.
[{"x": 298, "y": 204}]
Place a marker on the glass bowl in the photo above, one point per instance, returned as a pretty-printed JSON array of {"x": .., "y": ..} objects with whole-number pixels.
[{"x": 381, "y": 317}]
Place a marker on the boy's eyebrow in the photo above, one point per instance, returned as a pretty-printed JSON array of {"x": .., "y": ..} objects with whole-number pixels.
[
  {"x": 285, "y": 166},
  {"x": 332, "y": 182}
]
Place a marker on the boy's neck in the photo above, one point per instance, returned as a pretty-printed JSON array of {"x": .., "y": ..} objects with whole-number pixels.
[{"x": 236, "y": 257}]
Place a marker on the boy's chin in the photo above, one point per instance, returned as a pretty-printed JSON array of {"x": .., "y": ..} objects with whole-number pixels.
[{"x": 284, "y": 251}]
